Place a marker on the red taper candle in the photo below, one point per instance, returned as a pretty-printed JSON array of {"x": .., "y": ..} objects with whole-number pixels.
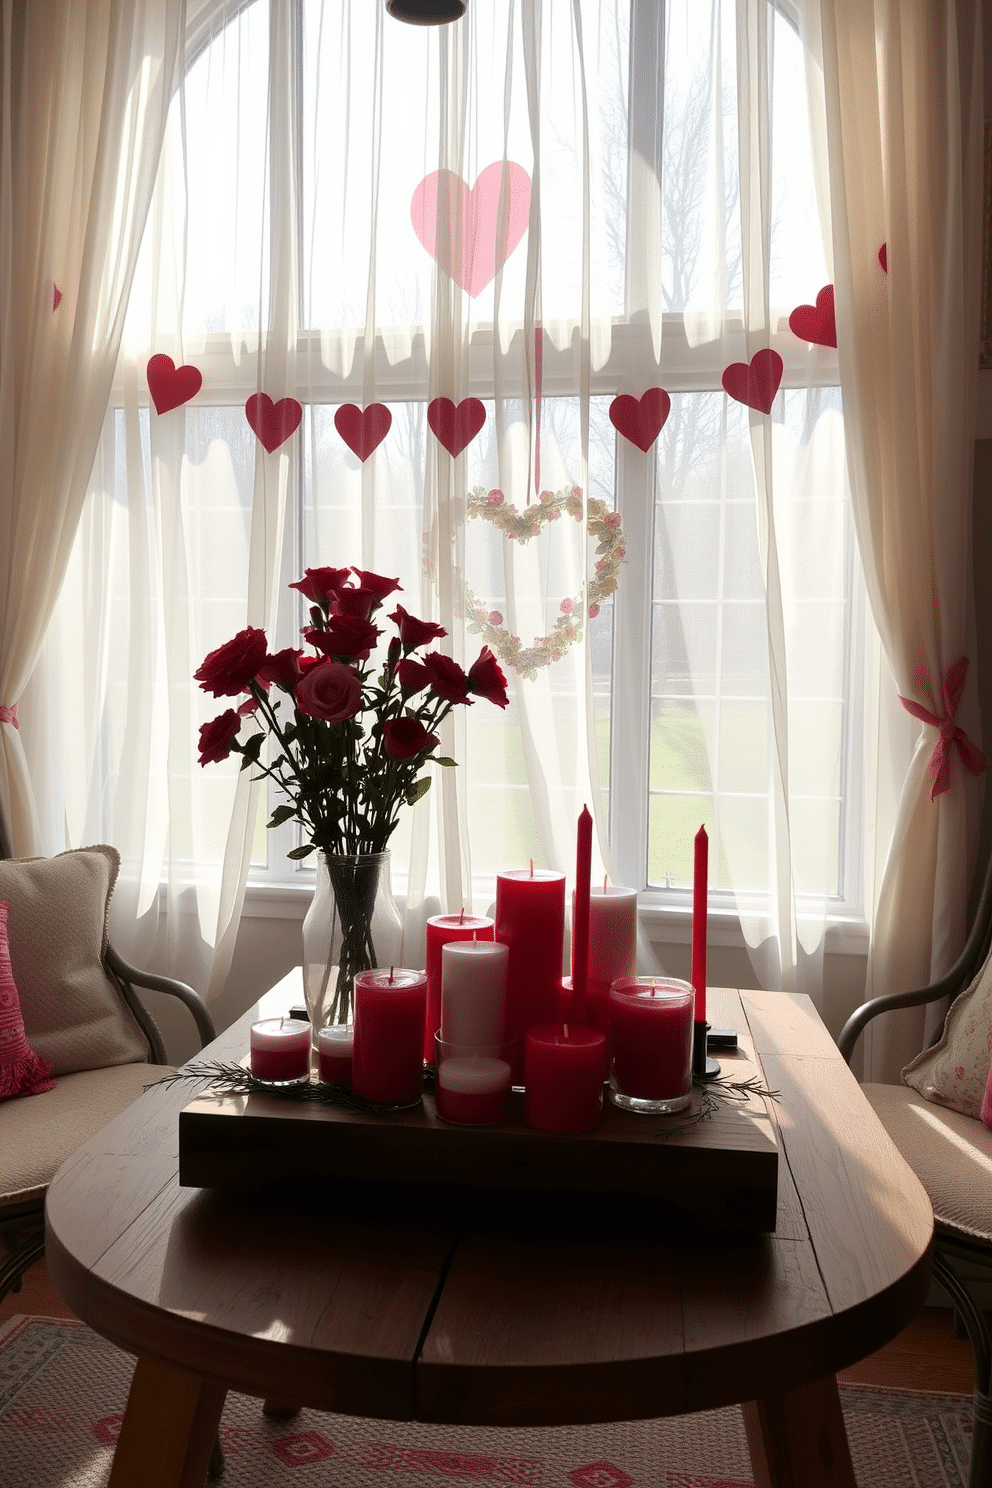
[
  {"x": 699, "y": 898},
  {"x": 580, "y": 917}
]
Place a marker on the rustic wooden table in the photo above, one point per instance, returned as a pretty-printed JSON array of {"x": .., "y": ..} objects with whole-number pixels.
[{"x": 418, "y": 1318}]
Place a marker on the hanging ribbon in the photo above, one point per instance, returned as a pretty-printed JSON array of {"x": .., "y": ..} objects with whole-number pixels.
[
  {"x": 951, "y": 687},
  {"x": 9, "y": 715}
]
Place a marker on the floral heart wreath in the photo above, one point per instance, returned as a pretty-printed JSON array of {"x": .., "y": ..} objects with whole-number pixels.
[{"x": 521, "y": 525}]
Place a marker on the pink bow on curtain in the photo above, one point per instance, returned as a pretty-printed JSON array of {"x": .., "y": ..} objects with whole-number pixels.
[
  {"x": 9, "y": 715},
  {"x": 952, "y": 686}
]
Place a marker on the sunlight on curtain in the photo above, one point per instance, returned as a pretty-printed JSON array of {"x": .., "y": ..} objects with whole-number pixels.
[{"x": 659, "y": 189}]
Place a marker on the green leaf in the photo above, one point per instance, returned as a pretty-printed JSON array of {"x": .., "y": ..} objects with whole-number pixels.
[
  {"x": 281, "y": 814},
  {"x": 301, "y": 852},
  {"x": 443, "y": 760},
  {"x": 417, "y": 789}
]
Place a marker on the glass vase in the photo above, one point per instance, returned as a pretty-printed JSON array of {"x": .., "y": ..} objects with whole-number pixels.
[{"x": 352, "y": 925}]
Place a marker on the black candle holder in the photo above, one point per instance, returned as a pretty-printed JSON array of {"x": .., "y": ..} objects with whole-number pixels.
[{"x": 703, "y": 1067}]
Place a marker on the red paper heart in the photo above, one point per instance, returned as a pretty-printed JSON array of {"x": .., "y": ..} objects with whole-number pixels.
[
  {"x": 816, "y": 323},
  {"x": 361, "y": 431},
  {"x": 56, "y": 297},
  {"x": 756, "y": 383},
  {"x": 455, "y": 426},
  {"x": 461, "y": 226},
  {"x": 169, "y": 385},
  {"x": 883, "y": 256},
  {"x": 273, "y": 422},
  {"x": 641, "y": 420}
]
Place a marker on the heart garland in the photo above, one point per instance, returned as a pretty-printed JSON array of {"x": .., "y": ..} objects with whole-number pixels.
[
  {"x": 169, "y": 385},
  {"x": 456, "y": 425},
  {"x": 273, "y": 423},
  {"x": 363, "y": 431},
  {"x": 641, "y": 420},
  {"x": 498, "y": 205},
  {"x": 816, "y": 323},
  {"x": 756, "y": 382},
  {"x": 521, "y": 525}
]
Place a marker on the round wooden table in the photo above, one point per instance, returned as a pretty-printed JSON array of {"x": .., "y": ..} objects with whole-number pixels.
[{"x": 415, "y": 1318}]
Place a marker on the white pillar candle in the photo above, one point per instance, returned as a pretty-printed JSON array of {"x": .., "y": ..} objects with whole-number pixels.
[
  {"x": 612, "y": 934},
  {"x": 473, "y": 993}
]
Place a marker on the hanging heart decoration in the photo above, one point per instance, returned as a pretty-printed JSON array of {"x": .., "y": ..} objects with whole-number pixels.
[
  {"x": 883, "y": 256},
  {"x": 755, "y": 383},
  {"x": 169, "y": 385},
  {"x": 602, "y": 524},
  {"x": 470, "y": 232},
  {"x": 363, "y": 430},
  {"x": 56, "y": 297},
  {"x": 816, "y": 323},
  {"x": 641, "y": 420},
  {"x": 455, "y": 425},
  {"x": 273, "y": 423}
]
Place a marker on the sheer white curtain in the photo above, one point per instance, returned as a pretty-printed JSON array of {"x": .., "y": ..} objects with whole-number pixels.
[
  {"x": 904, "y": 128},
  {"x": 630, "y": 204},
  {"x": 85, "y": 90}
]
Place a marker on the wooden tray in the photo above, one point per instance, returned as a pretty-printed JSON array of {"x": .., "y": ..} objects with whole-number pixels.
[{"x": 722, "y": 1171}]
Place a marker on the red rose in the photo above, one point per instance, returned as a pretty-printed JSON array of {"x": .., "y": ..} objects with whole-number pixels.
[
  {"x": 485, "y": 679},
  {"x": 412, "y": 675},
  {"x": 378, "y": 585},
  {"x": 345, "y": 635},
  {"x": 217, "y": 737},
  {"x": 321, "y": 584},
  {"x": 330, "y": 691},
  {"x": 228, "y": 670},
  {"x": 282, "y": 668},
  {"x": 405, "y": 737},
  {"x": 357, "y": 601},
  {"x": 447, "y": 678},
  {"x": 414, "y": 632}
]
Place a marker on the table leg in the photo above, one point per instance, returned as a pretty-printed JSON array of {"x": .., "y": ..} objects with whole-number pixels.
[
  {"x": 797, "y": 1439},
  {"x": 169, "y": 1429}
]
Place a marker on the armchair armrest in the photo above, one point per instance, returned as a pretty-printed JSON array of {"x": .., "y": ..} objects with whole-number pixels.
[
  {"x": 129, "y": 977},
  {"x": 972, "y": 956}
]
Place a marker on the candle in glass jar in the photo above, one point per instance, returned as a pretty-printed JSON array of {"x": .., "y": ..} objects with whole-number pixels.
[
  {"x": 473, "y": 993},
  {"x": 563, "y": 1077},
  {"x": 388, "y": 1053},
  {"x": 441, "y": 929},
  {"x": 280, "y": 1049},
  {"x": 472, "y": 1089},
  {"x": 651, "y": 1022},
  {"x": 334, "y": 1049},
  {"x": 530, "y": 919}
]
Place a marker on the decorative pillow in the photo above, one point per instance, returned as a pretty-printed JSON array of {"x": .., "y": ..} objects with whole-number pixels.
[
  {"x": 22, "y": 1072},
  {"x": 955, "y": 1071},
  {"x": 74, "y": 1015},
  {"x": 987, "y": 1103}
]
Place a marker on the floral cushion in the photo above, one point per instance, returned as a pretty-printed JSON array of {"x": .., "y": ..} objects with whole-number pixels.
[
  {"x": 955, "y": 1071},
  {"x": 22, "y": 1071}
]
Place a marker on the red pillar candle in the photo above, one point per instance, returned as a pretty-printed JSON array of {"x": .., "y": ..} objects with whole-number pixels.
[
  {"x": 440, "y": 930},
  {"x": 580, "y": 916},
  {"x": 700, "y": 890},
  {"x": 563, "y": 1076},
  {"x": 388, "y": 1057},
  {"x": 651, "y": 1022},
  {"x": 530, "y": 919},
  {"x": 280, "y": 1050},
  {"x": 334, "y": 1049}
]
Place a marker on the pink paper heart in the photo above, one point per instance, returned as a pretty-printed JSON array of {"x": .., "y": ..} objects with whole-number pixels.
[
  {"x": 361, "y": 431},
  {"x": 755, "y": 383},
  {"x": 816, "y": 323},
  {"x": 641, "y": 420},
  {"x": 469, "y": 231},
  {"x": 455, "y": 426},
  {"x": 56, "y": 297},
  {"x": 273, "y": 423},
  {"x": 883, "y": 256},
  {"x": 169, "y": 385}
]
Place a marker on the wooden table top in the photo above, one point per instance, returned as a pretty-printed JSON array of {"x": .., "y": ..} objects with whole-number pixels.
[{"x": 417, "y": 1318}]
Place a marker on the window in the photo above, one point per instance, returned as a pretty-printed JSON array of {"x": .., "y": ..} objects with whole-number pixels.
[{"x": 723, "y": 672}]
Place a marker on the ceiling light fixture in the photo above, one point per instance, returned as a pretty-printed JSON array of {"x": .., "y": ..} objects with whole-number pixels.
[{"x": 426, "y": 12}]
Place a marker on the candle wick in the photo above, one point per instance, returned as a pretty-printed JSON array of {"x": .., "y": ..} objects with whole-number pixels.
[
  {"x": 461, "y": 917},
  {"x": 532, "y": 867},
  {"x": 390, "y": 974},
  {"x": 605, "y": 877}
]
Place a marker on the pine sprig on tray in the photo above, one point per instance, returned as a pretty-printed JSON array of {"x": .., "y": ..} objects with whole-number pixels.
[
  {"x": 235, "y": 1079},
  {"x": 712, "y": 1095}
]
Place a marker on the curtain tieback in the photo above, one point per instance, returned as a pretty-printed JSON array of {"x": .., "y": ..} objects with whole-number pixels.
[
  {"x": 951, "y": 687},
  {"x": 9, "y": 715}
]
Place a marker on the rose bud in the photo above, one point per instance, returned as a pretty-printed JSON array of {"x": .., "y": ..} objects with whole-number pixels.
[
  {"x": 374, "y": 582},
  {"x": 414, "y": 632},
  {"x": 412, "y": 675}
]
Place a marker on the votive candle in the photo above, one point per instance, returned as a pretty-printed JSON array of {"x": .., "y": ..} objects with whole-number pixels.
[
  {"x": 563, "y": 1077},
  {"x": 280, "y": 1050},
  {"x": 651, "y": 1020},
  {"x": 334, "y": 1050}
]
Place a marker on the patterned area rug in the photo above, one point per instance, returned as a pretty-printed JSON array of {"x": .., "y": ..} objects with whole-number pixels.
[{"x": 63, "y": 1391}]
